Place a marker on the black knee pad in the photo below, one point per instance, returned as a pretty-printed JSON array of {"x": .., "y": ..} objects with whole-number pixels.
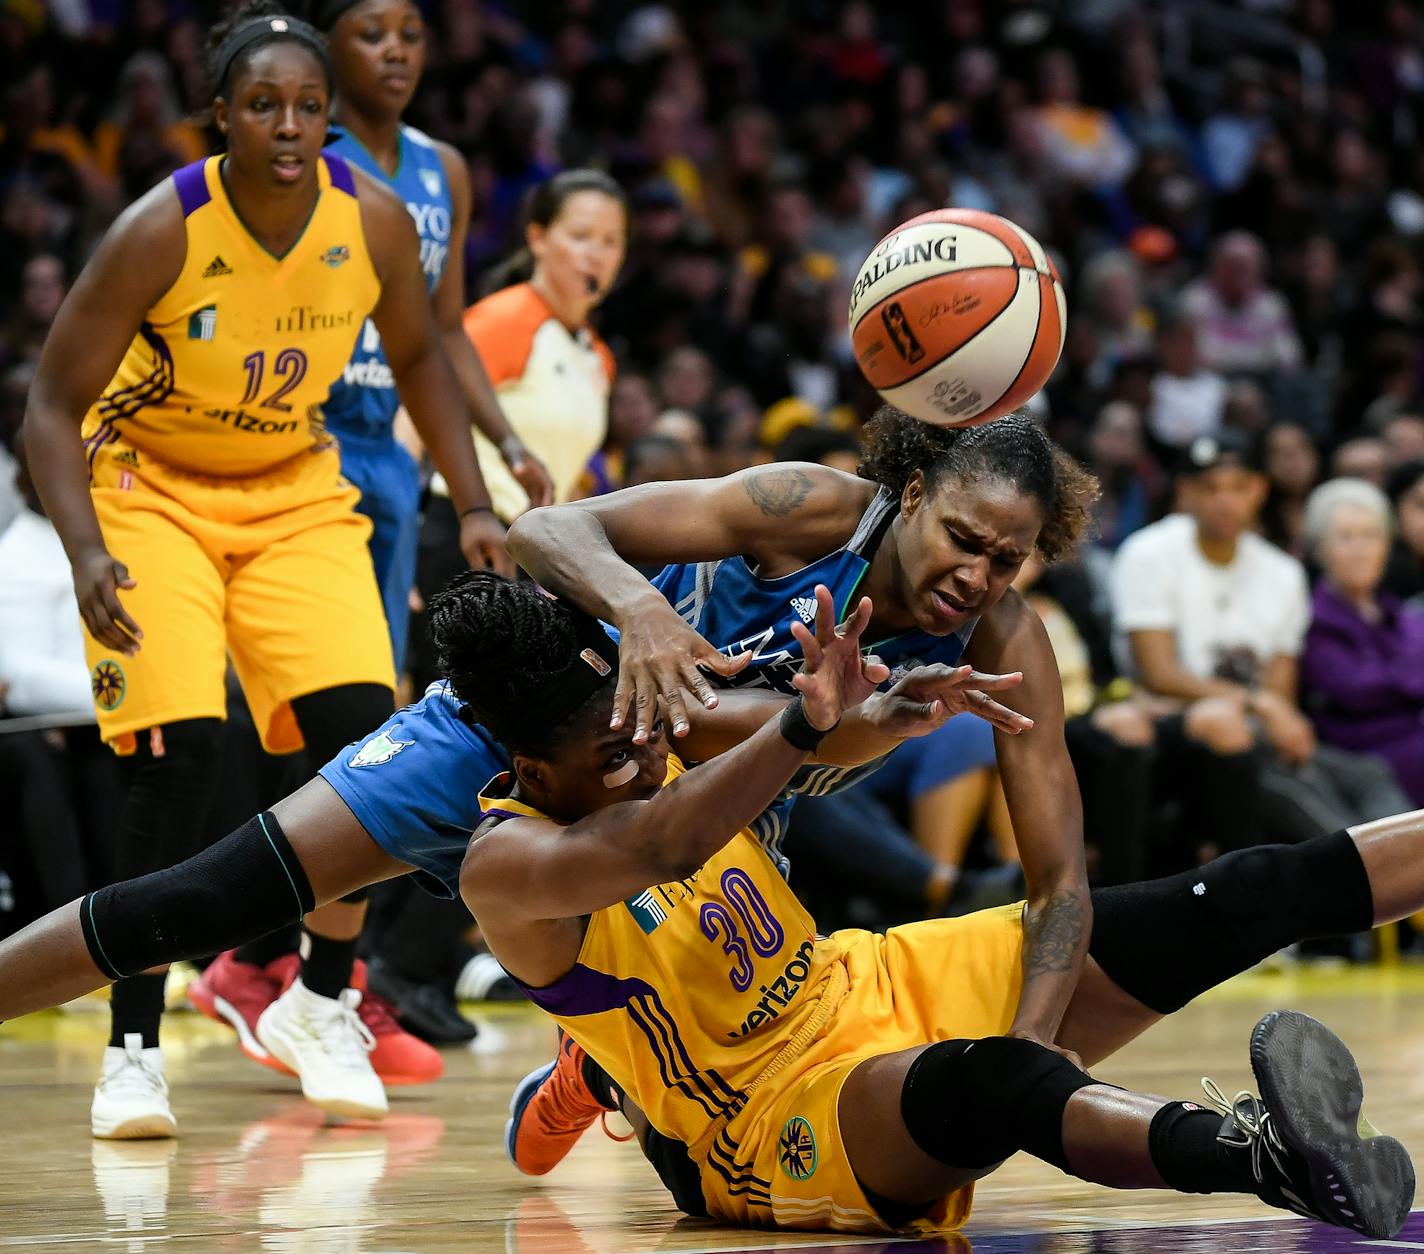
[
  {"x": 1168, "y": 940},
  {"x": 972, "y": 1104},
  {"x": 246, "y": 885}
]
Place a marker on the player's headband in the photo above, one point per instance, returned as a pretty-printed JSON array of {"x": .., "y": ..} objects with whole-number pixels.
[
  {"x": 282, "y": 26},
  {"x": 594, "y": 663},
  {"x": 327, "y": 15}
]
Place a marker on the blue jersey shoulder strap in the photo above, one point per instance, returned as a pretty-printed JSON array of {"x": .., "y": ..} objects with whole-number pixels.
[{"x": 363, "y": 401}]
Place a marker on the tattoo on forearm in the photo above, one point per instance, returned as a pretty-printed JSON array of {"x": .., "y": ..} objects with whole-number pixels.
[
  {"x": 1056, "y": 934},
  {"x": 778, "y": 492}
]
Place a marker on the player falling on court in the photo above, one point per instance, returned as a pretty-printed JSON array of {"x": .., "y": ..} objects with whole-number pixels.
[
  {"x": 951, "y": 510},
  {"x": 856, "y": 1082},
  {"x": 174, "y": 433},
  {"x": 377, "y": 51}
]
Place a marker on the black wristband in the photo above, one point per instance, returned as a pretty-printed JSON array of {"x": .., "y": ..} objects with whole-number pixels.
[
  {"x": 796, "y": 729},
  {"x": 477, "y": 509}
]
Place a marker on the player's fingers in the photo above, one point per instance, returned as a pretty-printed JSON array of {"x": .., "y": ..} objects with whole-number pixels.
[
  {"x": 810, "y": 646},
  {"x": 122, "y": 576},
  {"x": 645, "y": 710},
  {"x": 622, "y": 697},
  {"x": 855, "y": 626},
  {"x": 497, "y": 556},
  {"x": 105, "y": 627},
  {"x": 825, "y": 614},
  {"x": 714, "y": 661},
  {"x": 696, "y": 683},
  {"x": 1000, "y": 715},
  {"x": 676, "y": 707},
  {"x": 993, "y": 683},
  {"x": 874, "y": 670}
]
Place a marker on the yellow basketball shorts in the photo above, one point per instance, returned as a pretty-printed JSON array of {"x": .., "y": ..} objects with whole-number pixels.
[
  {"x": 271, "y": 569},
  {"x": 781, "y": 1161}
]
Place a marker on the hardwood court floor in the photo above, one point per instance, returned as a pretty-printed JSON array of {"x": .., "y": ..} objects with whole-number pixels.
[{"x": 254, "y": 1169}]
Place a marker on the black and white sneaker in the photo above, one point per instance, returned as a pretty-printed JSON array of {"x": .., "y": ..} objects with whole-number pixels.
[{"x": 1311, "y": 1150}]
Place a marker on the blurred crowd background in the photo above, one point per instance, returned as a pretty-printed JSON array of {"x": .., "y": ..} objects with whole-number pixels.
[{"x": 1233, "y": 194}]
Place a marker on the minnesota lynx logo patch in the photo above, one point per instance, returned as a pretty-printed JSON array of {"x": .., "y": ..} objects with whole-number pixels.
[{"x": 378, "y": 749}]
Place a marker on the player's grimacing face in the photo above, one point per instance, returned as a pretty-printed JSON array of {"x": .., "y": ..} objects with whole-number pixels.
[
  {"x": 595, "y": 767},
  {"x": 378, "y": 54},
  {"x": 961, "y": 547},
  {"x": 275, "y": 114}
]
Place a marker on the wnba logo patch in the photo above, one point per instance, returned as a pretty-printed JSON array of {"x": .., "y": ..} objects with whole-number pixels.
[
  {"x": 336, "y": 255},
  {"x": 897, "y": 325},
  {"x": 796, "y": 1149},
  {"x": 108, "y": 683}
]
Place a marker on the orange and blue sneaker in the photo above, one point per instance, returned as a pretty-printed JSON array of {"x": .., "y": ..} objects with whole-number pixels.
[{"x": 551, "y": 1108}]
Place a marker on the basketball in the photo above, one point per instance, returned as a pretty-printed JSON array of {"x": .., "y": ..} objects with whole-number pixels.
[{"x": 957, "y": 317}]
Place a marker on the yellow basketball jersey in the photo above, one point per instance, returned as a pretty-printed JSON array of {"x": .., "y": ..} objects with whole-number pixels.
[
  {"x": 228, "y": 372},
  {"x": 690, "y": 994}
]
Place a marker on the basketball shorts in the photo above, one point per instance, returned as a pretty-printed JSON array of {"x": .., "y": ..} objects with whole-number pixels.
[
  {"x": 271, "y": 569},
  {"x": 781, "y": 1162}
]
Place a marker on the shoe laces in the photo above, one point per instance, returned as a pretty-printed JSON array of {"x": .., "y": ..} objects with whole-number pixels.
[
  {"x": 136, "y": 1076},
  {"x": 1258, "y": 1131},
  {"x": 567, "y": 1105},
  {"x": 342, "y": 1034}
]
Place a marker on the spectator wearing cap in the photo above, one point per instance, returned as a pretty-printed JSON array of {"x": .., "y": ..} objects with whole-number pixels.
[
  {"x": 1362, "y": 670},
  {"x": 1205, "y": 609},
  {"x": 1244, "y": 326}
]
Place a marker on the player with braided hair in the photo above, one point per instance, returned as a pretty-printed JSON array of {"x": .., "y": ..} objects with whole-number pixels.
[{"x": 851, "y": 1082}]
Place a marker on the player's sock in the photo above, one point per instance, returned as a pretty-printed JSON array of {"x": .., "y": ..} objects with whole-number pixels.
[
  {"x": 600, "y": 1084},
  {"x": 327, "y": 964},
  {"x": 1190, "y": 1156},
  {"x": 136, "y": 1006},
  {"x": 267, "y": 949}
]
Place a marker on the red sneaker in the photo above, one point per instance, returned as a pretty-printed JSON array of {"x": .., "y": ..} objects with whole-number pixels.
[
  {"x": 549, "y": 1110},
  {"x": 398, "y": 1058},
  {"x": 236, "y": 993}
]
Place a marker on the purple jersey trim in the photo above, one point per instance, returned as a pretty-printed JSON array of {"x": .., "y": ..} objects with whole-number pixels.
[
  {"x": 584, "y": 991},
  {"x": 341, "y": 177},
  {"x": 192, "y": 184}
]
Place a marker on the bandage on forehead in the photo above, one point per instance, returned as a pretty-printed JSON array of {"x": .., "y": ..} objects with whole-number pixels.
[{"x": 558, "y": 694}]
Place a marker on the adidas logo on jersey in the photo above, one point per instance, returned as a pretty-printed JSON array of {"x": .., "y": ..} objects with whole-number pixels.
[
  {"x": 805, "y": 608},
  {"x": 216, "y": 268},
  {"x": 128, "y": 457}
]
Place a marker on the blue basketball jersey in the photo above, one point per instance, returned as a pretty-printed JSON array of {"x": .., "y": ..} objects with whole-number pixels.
[
  {"x": 737, "y": 611},
  {"x": 363, "y": 401},
  {"x": 414, "y": 783}
]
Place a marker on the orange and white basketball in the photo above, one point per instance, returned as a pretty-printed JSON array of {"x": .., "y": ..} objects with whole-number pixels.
[{"x": 957, "y": 317}]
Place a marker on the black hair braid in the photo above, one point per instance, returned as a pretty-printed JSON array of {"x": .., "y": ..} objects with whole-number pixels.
[
  {"x": 497, "y": 641},
  {"x": 1013, "y": 449}
]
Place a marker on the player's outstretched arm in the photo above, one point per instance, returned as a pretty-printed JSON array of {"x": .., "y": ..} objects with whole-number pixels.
[
  {"x": 524, "y": 873},
  {"x": 426, "y": 382},
  {"x": 919, "y": 703},
  {"x": 584, "y": 553},
  {"x": 138, "y": 260}
]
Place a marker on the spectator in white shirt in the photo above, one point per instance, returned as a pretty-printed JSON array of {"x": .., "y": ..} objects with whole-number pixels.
[
  {"x": 1204, "y": 608},
  {"x": 41, "y": 645},
  {"x": 1244, "y": 327},
  {"x": 1185, "y": 400}
]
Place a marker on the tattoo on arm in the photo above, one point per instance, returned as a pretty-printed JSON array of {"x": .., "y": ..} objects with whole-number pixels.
[
  {"x": 779, "y": 492},
  {"x": 1056, "y": 935}
]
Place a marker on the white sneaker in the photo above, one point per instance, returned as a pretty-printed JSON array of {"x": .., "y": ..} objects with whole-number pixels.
[
  {"x": 327, "y": 1045},
  {"x": 131, "y": 1098}
]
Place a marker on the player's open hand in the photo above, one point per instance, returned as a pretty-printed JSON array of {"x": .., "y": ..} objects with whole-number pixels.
[
  {"x": 927, "y": 696},
  {"x": 835, "y": 677},
  {"x": 98, "y": 577},
  {"x": 659, "y": 655},
  {"x": 482, "y": 543}
]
